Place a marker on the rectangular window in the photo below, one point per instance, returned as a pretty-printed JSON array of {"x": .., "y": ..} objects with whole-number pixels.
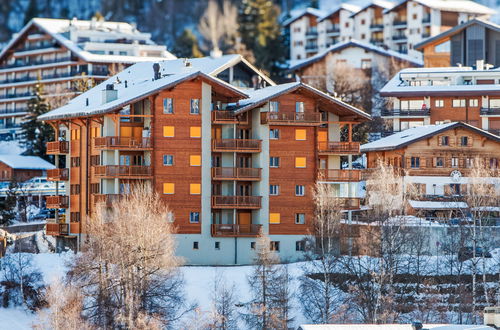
[
  {"x": 195, "y": 131},
  {"x": 194, "y": 217},
  {"x": 170, "y": 217},
  {"x": 195, "y": 188},
  {"x": 300, "y": 162},
  {"x": 194, "y": 160},
  {"x": 168, "y": 106},
  {"x": 75, "y": 216},
  {"x": 300, "y": 245},
  {"x": 299, "y": 106},
  {"x": 300, "y": 218},
  {"x": 274, "y": 190},
  {"x": 274, "y": 162},
  {"x": 95, "y": 188},
  {"x": 252, "y": 245},
  {"x": 473, "y": 103},
  {"x": 445, "y": 140},
  {"x": 455, "y": 188},
  {"x": 75, "y": 161},
  {"x": 168, "y": 160},
  {"x": 195, "y": 246},
  {"x": 275, "y": 246},
  {"x": 95, "y": 160},
  {"x": 415, "y": 162},
  {"x": 274, "y": 133},
  {"x": 195, "y": 107},
  {"x": 458, "y": 103},
  {"x": 464, "y": 141},
  {"x": 274, "y": 106},
  {"x": 454, "y": 161},
  {"x": 74, "y": 189},
  {"x": 300, "y": 134},
  {"x": 439, "y": 162},
  {"x": 274, "y": 218},
  {"x": 469, "y": 162},
  {"x": 168, "y": 131},
  {"x": 439, "y": 103},
  {"x": 217, "y": 245},
  {"x": 169, "y": 188},
  {"x": 299, "y": 190}
]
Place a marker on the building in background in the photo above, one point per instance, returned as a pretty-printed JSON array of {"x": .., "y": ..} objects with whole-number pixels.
[
  {"x": 14, "y": 168},
  {"x": 63, "y": 55},
  {"x": 369, "y": 22},
  {"x": 227, "y": 161}
]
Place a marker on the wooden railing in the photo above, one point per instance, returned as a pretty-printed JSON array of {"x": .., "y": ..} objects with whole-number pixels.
[
  {"x": 235, "y": 202},
  {"x": 119, "y": 171},
  {"x": 74, "y": 227},
  {"x": 339, "y": 175},
  {"x": 119, "y": 142},
  {"x": 349, "y": 203},
  {"x": 236, "y": 145},
  {"x": 236, "y": 173},
  {"x": 109, "y": 199},
  {"x": 230, "y": 230},
  {"x": 56, "y": 229},
  {"x": 58, "y": 174},
  {"x": 57, "y": 147},
  {"x": 228, "y": 117},
  {"x": 290, "y": 118},
  {"x": 57, "y": 202},
  {"x": 339, "y": 147}
]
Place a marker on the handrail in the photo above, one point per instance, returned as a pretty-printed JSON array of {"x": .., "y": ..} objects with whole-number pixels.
[
  {"x": 122, "y": 170},
  {"x": 349, "y": 147},
  {"x": 122, "y": 142}
]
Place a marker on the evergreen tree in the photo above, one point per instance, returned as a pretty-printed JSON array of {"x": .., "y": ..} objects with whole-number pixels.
[
  {"x": 186, "y": 45},
  {"x": 7, "y": 205},
  {"x": 35, "y": 133},
  {"x": 314, "y": 4},
  {"x": 31, "y": 11}
]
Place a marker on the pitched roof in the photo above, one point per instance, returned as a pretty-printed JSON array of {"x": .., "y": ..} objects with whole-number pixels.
[
  {"x": 461, "y": 6},
  {"x": 412, "y": 135},
  {"x": 375, "y": 3},
  {"x": 26, "y": 162},
  {"x": 345, "y": 6},
  {"x": 307, "y": 11},
  {"x": 458, "y": 29},
  {"x": 354, "y": 43}
]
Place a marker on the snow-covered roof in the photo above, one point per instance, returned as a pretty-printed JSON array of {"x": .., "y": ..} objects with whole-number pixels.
[
  {"x": 26, "y": 162},
  {"x": 354, "y": 43},
  {"x": 59, "y": 28},
  {"x": 461, "y": 6},
  {"x": 306, "y": 11},
  {"x": 376, "y": 3},
  {"x": 411, "y": 135},
  {"x": 435, "y": 205},
  {"x": 346, "y": 6},
  {"x": 391, "y": 327}
]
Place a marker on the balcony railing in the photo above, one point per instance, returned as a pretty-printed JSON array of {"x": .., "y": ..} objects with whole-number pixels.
[
  {"x": 58, "y": 174},
  {"x": 405, "y": 113},
  {"x": 311, "y": 33},
  {"x": 340, "y": 175},
  {"x": 123, "y": 171},
  {"x": 230, "y": 230},
  {"x": 236, "y": 145},
  {"x": 333, "y": 29},
  {"x": 56, "y": 229},
  {"x": 399, "y": 37},
  {"x": 44, "y": 45},
  {"x": 108, "y": 199},
  {"x": 16, "y": 95},
  {"x": 490, "y": 111},
  {"x": 7, "y": 111},
  {"x": 399, "y": 22},
  {"x": 290, "y": 118},
  {"x": 494, "y": 131},
  {"x": 236, "y": 202},
  {"x": 339, "y": 147},
  {"x": 53, "y": 76},
  {"x": 236, "y": 173},
  {"x": 426, "y": 19},
  {"x": 123, "y": 143},
  {"x": 348, "y": 203},
  {"x": 426, "y": 35},
  {"x": 376, "y": 40},
  {"x": 57, "y": 147},
  {"x": 311, "y": 48},
  {"x": 18, "y": 64},
  {"x": 228, "y": 117},
  {"x": 377, "y": 26},
  {"x": 57, "y": 202}
]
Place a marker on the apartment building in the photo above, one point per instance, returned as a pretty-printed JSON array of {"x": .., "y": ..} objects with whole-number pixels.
[
  {"x": 423, "y": 96},
  {"x": 396, "y": 26},
  {"x": 438, "y": 161},
  {"x": 227, "y": 161},
  {"x": 63, "y": 55},
  {"x": 463, "y": 45}
]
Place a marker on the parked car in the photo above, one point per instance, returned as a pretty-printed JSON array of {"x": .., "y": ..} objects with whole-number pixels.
[{"x": 466, "y": 253}]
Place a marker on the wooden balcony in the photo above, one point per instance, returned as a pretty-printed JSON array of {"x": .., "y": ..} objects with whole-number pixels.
[
  {"x": 339, "y": 175},
  {"x": 349, "y": 203},
  {"x": 236, "y": 202},
  {"x": 62, "y": 229},
  {"x": 290, "y": 118},
  {"x": 57, "y": 147},
  {"x": 57, "y": 202},
  {"x": 122, "y": 143},
  {"x": 236, "y": 145},
  {"x": 339, "y": 148},
  {"x": 236, "y": 174},
  {"x": 230, "y": 230},
  {"x": 229, "y": 117},
  {"x": 123, "y": 171},
  {"x": 108, "y": 199},
  {"x": 58, "y": 174}
]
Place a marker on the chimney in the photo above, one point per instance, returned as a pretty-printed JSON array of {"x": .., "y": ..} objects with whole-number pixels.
[
  {"x": 480, "y": 65},
  {"x": 156, "y": 69},
  {"x": 109, "y": 94}
]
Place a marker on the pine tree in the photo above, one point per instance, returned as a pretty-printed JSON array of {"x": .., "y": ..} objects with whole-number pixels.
[
  {"x": 7, "y": 206},
  {"x": 35, "y": 133},
  {"x": 31, "y": 11},
  {"x": 186, "y": 45}
]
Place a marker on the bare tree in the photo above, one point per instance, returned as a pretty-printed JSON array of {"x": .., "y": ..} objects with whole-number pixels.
[
  {"x": 219, "y": 26},
  {"x": 224, "y": 301}
]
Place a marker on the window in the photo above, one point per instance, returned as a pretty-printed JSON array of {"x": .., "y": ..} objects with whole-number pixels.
[
  {"x": 168, "y": 106},
  {"x": 363, "y": 36},
  {"x": 454, "y": 161},
  {"x": 274, "y": 218},
  {"x": 274, "y": 106},
  {"x": 194, "y": 217},
  {"x": 168, "y": 188},
  {"x": 494, "y": 163},
  {"x": 445, "y": 140},
  {"x": 415, "y": 162},
  {"x": 473, "y": 103},
  {"x": 469, "y": 162},
  {"x": 170, "y": 217},
  {"x": 195, "y": 107},
  {"x": 363, "y": 22},
  {"x": 464, "y": 141},
  {"x": 95, "y": 160},
  {"x": 274, "y": 190},
  {"x": 217, "y": 245},
  {"x": 299, "y": 106},
  {"x": 75, "y": 134},
  {"x": 299, "y": 190},
  {"x": 366, "y": 63},
  {"x": 455, "y": 188},
  {"x": 168, "y": 160},
  {"x": 74, "y": 189},
  {"x": 300, "y": 134},
  {"x": 439, "y": 161},
  {"x": 458, "y": 103},
  {"x": 194, "y": 160},
  {"x": 300, "y": 218},
  {"x": 274, "y": 133},
  {"x": 74, "y": 216},
  {"x": 275, "y": 246},
  {"x": 274, "y": 162},
  {"x": 195, "y": 131},
  {"x": 75, "y": 161},
  {"x": 95, "y": 188},
  {"x": 252, "y": 245},
  {"x": 195, "y": 246},
  {"x": 300, "y": 162},
  {"x": 168, "y": 131},
  {"x": 195, "y": 188},
  {"x": 439, "y": 103},
  {"x": 300, "y": 245}
]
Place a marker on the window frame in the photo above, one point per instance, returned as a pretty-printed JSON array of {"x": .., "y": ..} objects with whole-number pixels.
[
  {"x": 194, "y": 217},
  {"x": 276, "y": 136},
  {"x": 166, "y": 164},
  {"x": 191, "y": 107},
  {"x": 300, "y": 190},
  {"x": 300, "y": 218},
  {"x": 168, "y": 101},
  {"x": 271, "y": 162},
  {"x": 277, "y": 190}
]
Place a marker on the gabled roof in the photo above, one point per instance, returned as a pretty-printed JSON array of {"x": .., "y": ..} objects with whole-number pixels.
[
  {"x": 354, "y": 43},
  {"x": 460, "y": 6},
  {"x": 26, "y": 162},
  {"x": 345, "y": 6},
  {"x": 457, "y": 29},
  {"x": 307, "y": 11},
  {"x": 412, "y": 135},
  {"x": 375, "y": 3},
  {"x": 259, "y": 97}
]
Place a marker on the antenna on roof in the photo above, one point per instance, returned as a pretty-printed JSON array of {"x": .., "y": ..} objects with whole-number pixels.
[{"x": 156, "y": 69}]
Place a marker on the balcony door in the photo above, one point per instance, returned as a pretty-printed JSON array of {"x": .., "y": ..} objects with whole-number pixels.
[
  {"x": 128, "y": 160},
  {"x": 244, "y": 189},
  {"x": 244, "y": 161},
  {"x": 244, "y": 133},
  {"x": 244, "y": 221}
]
